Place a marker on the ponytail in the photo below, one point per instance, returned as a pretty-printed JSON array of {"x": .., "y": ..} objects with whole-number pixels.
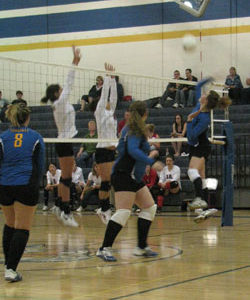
[
  {"x": 136, "y": 124},
  {"x": 50, "y": 93},
  {"x": 224, "y": 102},
  {"x": 214, "y": 100},
  {"x": 17, "y": 114}
]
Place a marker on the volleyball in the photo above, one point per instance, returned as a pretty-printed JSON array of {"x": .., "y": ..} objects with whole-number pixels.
[{"x": 189, "y": 42}]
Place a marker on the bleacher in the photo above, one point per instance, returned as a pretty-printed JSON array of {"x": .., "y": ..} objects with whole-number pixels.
[{"x": 42, "y": 121}]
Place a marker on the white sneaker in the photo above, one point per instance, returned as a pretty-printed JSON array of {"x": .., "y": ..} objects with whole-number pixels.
[
  {"x": 53, "y": 208},
  {"x": 169, "y": 99},
  {"x": 184, "y": 154},
  {"x": 205, "y": 214},
  {"x": 158, "y": 105},
  {"x": 197, "y": 203},
  {"x": 68, "y": 220},
  {"x": 57, "y": 211},
  {"x": 12, "y": 276},
  {"x": 104, "y": 215},
  {"x": 146, "y": 252},
  {"x": 105, "y": 254},
  {"x": 181, "y": 105},
  {"x": 45, "y": 208},
  {"x": 79, "y": 209},
  {"x": 175, "y": 105}
]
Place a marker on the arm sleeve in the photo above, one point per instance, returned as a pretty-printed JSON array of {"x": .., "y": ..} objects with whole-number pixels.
[
  {"x": 199, "y": 87},
  {"x": 64, "y": 97},
  {"x": 104, "y": 96},
  {"x": 193, "y": 131},
  {"x": 136, "y": 152},
  {"x": 113, "y": 94}
]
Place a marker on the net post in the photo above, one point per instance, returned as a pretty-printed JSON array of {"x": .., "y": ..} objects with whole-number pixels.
[{"x": 228, "y": 176}]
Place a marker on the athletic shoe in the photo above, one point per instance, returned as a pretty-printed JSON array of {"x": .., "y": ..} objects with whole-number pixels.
[
  {"x": 197, "y": 203},
  {"x": 181, "y": 105},
  {"x": 104, "y": 215},
  {"x": 45, "y": 208},
  {"x": 68, "y": 220},
  {"x": 198, "y": 211},
  {"x": 53, "y": 208},
  {"x": 79, "y": 209},
  {"x": 57, "y": 211},
  {"x": 184, "y": 154},
  {"x": 158, "y": 105},
  {"x": 169, "y": 99},
  {"x": 105, "y": 254},
  {"x": 146, "y": 252},
  {"x": 205, "y": 214},
  {"x": 175, "y": 105},
  {"x": 12, "y": 276}
]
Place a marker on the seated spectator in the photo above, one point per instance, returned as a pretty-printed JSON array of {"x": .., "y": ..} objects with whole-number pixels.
[
  {"x": 169, "y": 181},
  {"x": 179, "y": 131},
  {"x": 77, "y": 186},
  {"x": 188, "y": 91},
  {"x": 3, "y": 106},
  {"x": 94, "y": 94},
  {"x": 234, "y": 86},
  {"x": 19, "y": 95},
  {"x": 53, "y": 179},
  {"x": 123, "y": 122},
  {"x": 86, "y": 153},
  {"x": 172, "y": 92},
  {"x": 120, "y": 90},
  {"x": 151, "y": 179},
  {"x": 154, "y": 147},
  {"x": 91, "y": 190},
  {"x": 245, "y": 93}
]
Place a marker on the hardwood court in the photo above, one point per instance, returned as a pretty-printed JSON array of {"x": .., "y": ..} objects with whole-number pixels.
[{"x": 196, "y": 261}]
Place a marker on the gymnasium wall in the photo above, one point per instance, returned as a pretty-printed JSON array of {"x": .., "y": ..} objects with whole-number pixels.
[{"x": 137, "y": 36}]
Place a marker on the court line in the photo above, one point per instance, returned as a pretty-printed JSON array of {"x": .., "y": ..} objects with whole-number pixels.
[{"x": 180, "y": 282}]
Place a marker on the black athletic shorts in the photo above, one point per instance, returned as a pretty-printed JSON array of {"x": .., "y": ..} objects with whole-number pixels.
[
  {"x": 25, "y": 194},
  {"x": 64, "y": 149},
  {"x": 200, "y": 151},
  {"x": 103, "y": 155},
  {"x": 123, "y": 182}
]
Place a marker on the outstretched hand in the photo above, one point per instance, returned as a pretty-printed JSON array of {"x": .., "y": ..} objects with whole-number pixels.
[
  {"x": 109, "y": 68},
  {"x": 77, "y": 55}
]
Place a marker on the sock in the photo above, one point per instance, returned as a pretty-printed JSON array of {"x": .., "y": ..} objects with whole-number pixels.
[
  {"x": 111, "y": 233},
  {"x": 104, "y": 203},
  {"x": 198, "y": 188},
  {"x": 143, "y": 226},
  {"x": 17, "y": 246},
  {"x": 6, "y": 240},
  {"x": 65, "y": 207},
  {"x": 160, "y": 200}
]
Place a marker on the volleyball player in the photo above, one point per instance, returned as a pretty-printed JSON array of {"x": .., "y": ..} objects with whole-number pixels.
[
  {"x": 127, "y": 174},
  {"x": 21, "y": 168},
  {"x": 64, "y": 115},
  {"x": 199, "y": 146},
  {"x": 105, "y": 151}
]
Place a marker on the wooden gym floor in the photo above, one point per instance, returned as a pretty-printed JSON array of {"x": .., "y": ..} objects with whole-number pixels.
[{"x": 196, "y": 261}]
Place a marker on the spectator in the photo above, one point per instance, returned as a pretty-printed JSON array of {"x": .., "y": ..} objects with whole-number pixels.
[
  {"x": 151, "y": 179},
  {"x": 188, "y": 91},
  {"x": 53, "y": 179},
  {"x": 3, "y": 106},
  {"x": 123, "y": 122},
  {"x": 154, "y": 147},
  {"x": 120, "y": 90},
  {"x": 172, "y": 92},
  {"x": 77, "y": 186},
  {"x": 86, "y": 153},
  {"x": 245, "y": 94},
  {"x": 234, "y": 86},
  {"x": 179, "y": 131},
  {"x": 169, "y": 181},
  {"x": 91, "y": 190},
  {"x": 19, "y": 99},
  {"x": 94, "y": 94}
]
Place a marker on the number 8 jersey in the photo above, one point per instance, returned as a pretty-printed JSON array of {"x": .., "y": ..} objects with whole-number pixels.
[{"x": 21, "y": 157}]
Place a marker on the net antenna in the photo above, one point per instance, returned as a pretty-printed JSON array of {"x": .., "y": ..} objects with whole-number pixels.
[{"x": 194, "y": 7}]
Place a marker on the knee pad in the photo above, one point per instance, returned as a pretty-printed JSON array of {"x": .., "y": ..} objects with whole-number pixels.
[
  {"x": 193, "y": 174},
  {"x": 148, "y": 213},
  {"x": 105, "y": 186},
  {"x": 174, "y": 184},
  {"x": 66, "y": 181},
  {"x": 121, "y": 216}
]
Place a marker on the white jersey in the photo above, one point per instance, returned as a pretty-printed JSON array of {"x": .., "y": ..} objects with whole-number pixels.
[
  {"x": 64, "y": 113},
  {"x": 53, "y": 179},
  {"x": 105, "y": 121},
  {"x": 172, "y": 175},
  {"x": 77, "y": 176},
  {"x": 93, "y": 178}
]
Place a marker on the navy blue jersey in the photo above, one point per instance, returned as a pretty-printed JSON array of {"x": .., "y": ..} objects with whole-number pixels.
[
  {"x": 132, "y": 155},
  {"x": 197, "y": 129},
  {"x": 21, "y": 157}
]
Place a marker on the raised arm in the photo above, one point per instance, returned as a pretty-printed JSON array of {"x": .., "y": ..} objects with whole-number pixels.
[
  {"x": 199, "y": 87},
  {"x": 113, "y": 94},
  {"x": 104, "y": 95}
]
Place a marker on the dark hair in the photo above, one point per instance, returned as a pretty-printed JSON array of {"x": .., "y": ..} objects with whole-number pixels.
[
  {"x": 170, "y": 156},
  {"x": 137, "y": 125},
  {"x": 177, "y": 71},
  {"x": 17, "y": 114},
  {"x": 214, "y": 100},
  {"x": 50, "y": 93},
  {"x": 19, "y": 92},
  {"x": 182, "y": 121},
  {"x": 189, "y": 70}
]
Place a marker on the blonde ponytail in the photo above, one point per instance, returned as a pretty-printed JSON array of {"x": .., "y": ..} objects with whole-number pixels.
[
  {"x": 17, "y": 114},
  {"x": 136, "y": 124}
]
